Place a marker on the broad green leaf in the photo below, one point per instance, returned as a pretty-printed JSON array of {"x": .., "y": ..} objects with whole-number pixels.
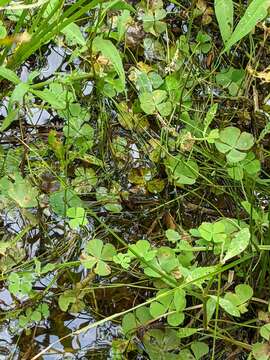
[
  {"x": 50, "y": 98},
  {"x": 235, "y": 156},
  {"x": 244, "y": 292},
  {"x": 129, "y": 323},
  {"x": 179, "y": 299},
  {"x": 227, "y": 305},
  {"x": 36, "y": 316},
  {"x": 147, "y": 103},
  {"x": 210, "y": 309},
  {"x": 78, "y": 217},
  {"x": 23, "y": 193},
  {"x": 261, "y": 351},
  {"x": 122, "y": 23},
  {"x": 176, "y": 318},
  {"x": 18, "y": 94},
  {"x": 180, "y": 171},
  {"x": 265, "y": 331},
  {"x": 143, "y": 249},
  {"x": 172, "y": 235},
  {"x": 108, "y": 50},
  {"x": 73, "y": 35},
  {"x": 256, "y": 11},
  {"x": 238, "y": 244},
  {"x": 164, "y": 108},
  {"x": 250, "y": 210},
  {"x": 123, "y": 260},
  {"x": 213, "y": 231},
  {"x": 66, "y": 299},
  {"x": 157, "y": 309},
  {"x": 224, "y": 14},
  {"x": 94, "y": 247},
  {"x": 61, "y": 200},
  {"x": 231, "y": 141},
  {"x": 9, "y": 75},
  {"x": 102, "y": 268},
  {"x": 245, "y": 141},
  {"x": 199, "y": 349},
  {"x": 108, "y": 252},
  {"x": 199, "y": 275},
  {"x": 229, "y": 136}
]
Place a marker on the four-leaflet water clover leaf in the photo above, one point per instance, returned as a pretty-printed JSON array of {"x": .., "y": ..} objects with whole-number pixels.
[
  {"x": 20, "y": 284},
  {"x": 143, "y": 249},
  {"x": 153, "y": 102},
  {"x": 151, "y": 21},
  {"x": 214, "y": 232},
  {"x": 77, "y": 217},
  {"x": 233, "y": 143},
  {"x": 97, "y": 255},
  {"x": 249, "y": 167},
  {"x": 174, "y": 302}
]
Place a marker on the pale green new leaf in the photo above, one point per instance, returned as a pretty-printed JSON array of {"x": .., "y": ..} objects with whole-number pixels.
[
  {"x": 255, "y": 12},
  {"x": 224, "y": 14},
  {"x": 108, "y": 50}
]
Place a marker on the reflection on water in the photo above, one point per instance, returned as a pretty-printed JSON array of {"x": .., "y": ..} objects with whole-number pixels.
[{"x": 94, "y": 343}]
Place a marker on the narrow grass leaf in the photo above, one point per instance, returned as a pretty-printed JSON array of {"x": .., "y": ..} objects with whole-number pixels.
[
  {"x": 224, "y": 15},
  {"x": 255, "y": 13},
  {"x": 9, "y": 75},
  {"x": 108, "y": 50}
]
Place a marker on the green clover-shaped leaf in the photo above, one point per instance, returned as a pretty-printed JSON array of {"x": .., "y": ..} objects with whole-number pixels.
[
  {"x": 155, "y": 102},
  {"x": 143, "y": 249},
  {"x": 233, "y": 143},
  {"x": 97, "y": 255},
  {"x": 214, "y": 232},
  {"x": 78, "y": 217}
]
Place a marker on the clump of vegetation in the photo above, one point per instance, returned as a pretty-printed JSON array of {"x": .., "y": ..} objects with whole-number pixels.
[{"x": 134, "y": 188}]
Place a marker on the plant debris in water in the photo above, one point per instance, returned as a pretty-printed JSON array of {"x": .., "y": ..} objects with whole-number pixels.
[{"x": 134, "y": 185}]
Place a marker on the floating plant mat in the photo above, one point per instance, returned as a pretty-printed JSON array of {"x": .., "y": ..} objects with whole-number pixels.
[{"x": 134, "y": 184}]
